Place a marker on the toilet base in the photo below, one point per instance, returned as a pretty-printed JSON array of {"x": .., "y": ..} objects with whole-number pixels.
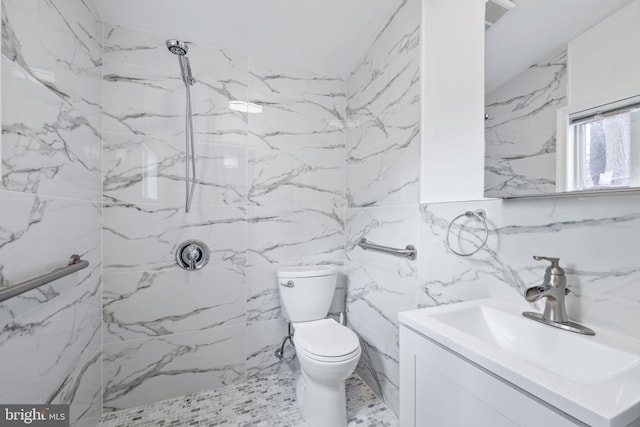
[{"x": 322, "y": 405}]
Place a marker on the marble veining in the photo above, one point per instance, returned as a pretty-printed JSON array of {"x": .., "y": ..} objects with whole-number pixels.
[
  {"x": 382, "y": 187},
  {"x": 376, "y": 298},
  {"x": 55, "y": 354},
  {"x": 49, "y": 146},
  {"x": 270, "y": 191},
  {"x": 297, "y": 143},
  {"x": 139, "y": 238},
  {"x": 144, "y": 371},
  {"x": 304, "y": 236},
  {"x": 385, "y": 225},
  {"x": 599, "y": 273},
  {"x": 520, "y": 132},
  {"x": 144, "y": 94},
  {"x": 263, "y": 338},
  {"x": 184, "y": 301},
  {"x": 151, "y": 170},
  {"x": 383, "y": 115},
  {"x": 50, "y": 230},
  {"x": 50, "y": 188},
  {"x": 379, "y": 366}
]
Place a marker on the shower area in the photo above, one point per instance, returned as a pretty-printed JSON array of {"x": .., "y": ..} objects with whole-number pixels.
[
  {"x": 269, "y": 189},
  {"x": 120, "y": 145}
]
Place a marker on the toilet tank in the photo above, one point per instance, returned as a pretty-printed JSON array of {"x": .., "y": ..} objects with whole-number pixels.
[{"x": 306, "y": 291}]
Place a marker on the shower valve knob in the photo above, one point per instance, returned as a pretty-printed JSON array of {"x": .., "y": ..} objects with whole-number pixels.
[{"x": 192, "y": 255}]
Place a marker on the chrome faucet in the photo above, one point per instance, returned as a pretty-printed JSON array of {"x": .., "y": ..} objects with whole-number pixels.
[{"x": 553, "y": 288}]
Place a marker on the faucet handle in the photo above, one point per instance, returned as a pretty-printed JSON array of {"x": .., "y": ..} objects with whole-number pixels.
[{"x": 555, "y": 264}]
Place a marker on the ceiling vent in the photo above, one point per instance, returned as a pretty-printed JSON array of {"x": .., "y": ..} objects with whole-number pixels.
[{"x": 494, "y": 10}]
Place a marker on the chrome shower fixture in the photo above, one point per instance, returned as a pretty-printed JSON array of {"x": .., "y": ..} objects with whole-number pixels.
[
  {"x": 181, "y": 48},
  {"x": 177, "y": 47}
]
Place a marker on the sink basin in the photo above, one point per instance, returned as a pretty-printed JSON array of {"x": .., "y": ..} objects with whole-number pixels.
[
  {"x": 573, "y": 357},
  {"x": 595, "y": 379}
]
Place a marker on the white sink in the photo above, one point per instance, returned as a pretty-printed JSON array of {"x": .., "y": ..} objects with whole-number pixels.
[{"x": 595, "y": 379}]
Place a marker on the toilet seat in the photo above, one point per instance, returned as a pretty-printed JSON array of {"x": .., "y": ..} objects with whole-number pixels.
[{"x": 326, "y": 340}]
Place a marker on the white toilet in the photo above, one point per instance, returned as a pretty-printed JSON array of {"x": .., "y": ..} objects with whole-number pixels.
[{"x": 328, "y": 352}]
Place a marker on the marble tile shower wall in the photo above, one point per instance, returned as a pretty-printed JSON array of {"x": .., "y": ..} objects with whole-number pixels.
[
  {"x": 383, "y": 167},
  {"x": 270, "y": 192},
  {"x": 50, "y": 203},
  {"x": 520, "y": 133}
]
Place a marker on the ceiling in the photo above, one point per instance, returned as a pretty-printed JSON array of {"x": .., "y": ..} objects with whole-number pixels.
[
  {"x": 535, "y": 28},
  {"x": 326, "y": 36}
]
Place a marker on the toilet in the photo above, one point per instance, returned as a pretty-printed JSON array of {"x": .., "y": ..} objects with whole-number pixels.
[{"x": 328, "y": 352}]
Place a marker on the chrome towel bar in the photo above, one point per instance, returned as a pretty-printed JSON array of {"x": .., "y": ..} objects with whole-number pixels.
[
  {"x": 410, "y": 251},
  {"x": 75, "y": 264}
]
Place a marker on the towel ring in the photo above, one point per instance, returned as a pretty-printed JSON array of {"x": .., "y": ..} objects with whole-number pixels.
[{"x": 481, "y": 216}]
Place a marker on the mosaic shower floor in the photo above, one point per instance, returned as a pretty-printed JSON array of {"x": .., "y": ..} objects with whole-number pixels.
[{"x": 268, "y": 402}]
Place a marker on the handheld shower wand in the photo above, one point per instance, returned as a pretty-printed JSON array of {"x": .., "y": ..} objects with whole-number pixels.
[{"x": 180, "y": 48}]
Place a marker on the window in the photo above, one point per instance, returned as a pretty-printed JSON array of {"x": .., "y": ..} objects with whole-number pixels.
[{"x": 605, "y": 149}]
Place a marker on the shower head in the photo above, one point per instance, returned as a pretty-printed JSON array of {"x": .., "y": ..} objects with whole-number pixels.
[
  {"x": 177, "y": 47},
  {"x": 180, "y": 48}
]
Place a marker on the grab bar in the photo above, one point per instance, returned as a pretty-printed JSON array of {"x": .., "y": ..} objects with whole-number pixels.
[
  {"x": 410, "y": 251},
  {"x": 75, "y": 264}
]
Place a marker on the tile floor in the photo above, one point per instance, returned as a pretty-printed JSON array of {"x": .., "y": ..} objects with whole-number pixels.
[{"x": 268, "y": 401}]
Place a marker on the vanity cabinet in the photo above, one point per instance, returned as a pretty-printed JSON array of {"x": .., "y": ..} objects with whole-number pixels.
[{"x": 440, "y": 388}]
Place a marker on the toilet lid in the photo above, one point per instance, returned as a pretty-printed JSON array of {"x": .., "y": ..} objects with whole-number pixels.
[
  {"x": 326, "y": 338},
  {"x": 306, "y": 271}
]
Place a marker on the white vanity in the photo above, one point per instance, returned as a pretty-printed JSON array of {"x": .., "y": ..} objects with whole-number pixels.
[{"x": 481, "y": 363}]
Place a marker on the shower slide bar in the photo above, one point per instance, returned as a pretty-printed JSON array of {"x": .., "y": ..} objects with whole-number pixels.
[
  {"x": 409, "y": 252},
  {"x": 75, "y": 264}
]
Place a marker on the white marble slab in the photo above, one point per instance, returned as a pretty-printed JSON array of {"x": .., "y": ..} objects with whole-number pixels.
[
  {"x": 392, "y": 226},
  {"x": 297, "y": 141},
  {"x": 445, "y": 277},
  {"x": 302, "y": 236},
  {"x": 594, "y": 237},
  {"x": 273, "y": 78},
  {"x": 382, "y": 185},
  {"x": 384, "y": 115},
  {"x": 379, "y": 365},
  {"x": 58, "y": 44},
  {"x": 52, "y": 354},
  {"x": 48, "y": 145},
  {"x": 148, "y": 304},
  {"x": 39, "y": 234},
  {"x": 146, "y": 100},
  {"x": 263, "y": 297},
  {"x": 375, "y": 299},
  {"x": 301, "y": 110},
  {"x": 148, "y": 169},
  {"x": 302, "y": 178},
  {"x": 144, "y": 237},
  {"x": 263, "y": 339},
  {"x": 520, "y": 132},
  {"x": 144, "y": 371}
]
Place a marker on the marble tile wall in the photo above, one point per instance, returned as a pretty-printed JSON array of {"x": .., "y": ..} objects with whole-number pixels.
[
  {"x": 595, "y": 237},
  {"x": 520, "y": 133},
  {"x": 50, "y": 338},
  {"x": 270, "y": 192},
  {"x": 383, "y": 169}
]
